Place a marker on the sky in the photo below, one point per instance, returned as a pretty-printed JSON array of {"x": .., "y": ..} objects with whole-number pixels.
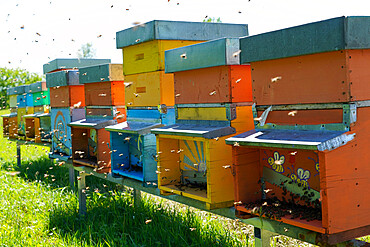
[{"x": 34, "y": 32}]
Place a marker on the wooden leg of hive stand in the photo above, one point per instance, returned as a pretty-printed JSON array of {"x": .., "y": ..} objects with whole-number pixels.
[
  {"x": 82, "y": 194},
  {"x": 137, "y": 196},
  {"x": 72, "y": 177},
  {"x": 19, "y": 159},
  {"x": 262, "y": 237}
]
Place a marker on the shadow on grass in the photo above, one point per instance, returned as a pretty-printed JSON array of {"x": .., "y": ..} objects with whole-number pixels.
[{"x": 112, "y": 220}]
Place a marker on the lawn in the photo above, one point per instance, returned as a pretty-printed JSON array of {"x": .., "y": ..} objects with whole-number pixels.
[{"x": 38, "y": 208}]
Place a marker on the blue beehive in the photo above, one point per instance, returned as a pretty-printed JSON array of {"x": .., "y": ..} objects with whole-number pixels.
[
  {"x": 61, "y": 137},
  {"x": 134, "y": 147}
]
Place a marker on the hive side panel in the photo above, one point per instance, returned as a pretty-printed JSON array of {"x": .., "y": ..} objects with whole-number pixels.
[
  {"x": 220, "y": 178},
  {"x": 98, "y": 93},
  {"x": 244, "y": 119},
  {"x": 359, "y": 74},
  {"x": 77, "y": 95},
  {"x": 318, "y": 78},
  {"x": 149, "y": 158},
  {"x": 347, "y": 179},
  {"x": 208, "y": 85},
  {"x": 202, "y": 113},
  {"x": 118, "y": 93},
  {"x": 103, "y": 149},
  {"x": 241, "y": 83},
  {"x": 168, "y": 161},
  {"x": 59, "y": 96}
]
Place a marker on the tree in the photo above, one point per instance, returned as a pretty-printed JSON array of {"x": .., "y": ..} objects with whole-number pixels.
[
  {"x": 213, "y": 19},
  {"x": 86, "y": 51},
  {"x": 12, "y": 78}
]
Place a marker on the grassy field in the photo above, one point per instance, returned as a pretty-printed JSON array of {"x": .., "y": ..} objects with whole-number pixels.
[{"x": 38, "y": 208}]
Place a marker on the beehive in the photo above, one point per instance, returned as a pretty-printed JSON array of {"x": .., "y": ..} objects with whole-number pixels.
[
  {"x": 104, "y": 85},
  {"x": 144, "y": 45},
  {"x": 305, "y": 162},
  {"x": 10, "y": 125},
  {"x": 192, "y": 155},
  {"x": 209, "y": 72},
  {"x": 90, "y": 144},
  {"x": 21, "y": 112},
  {"x": 325, "y": 62},
  {"x": 133, "y": 147},
  {"x": 61, "y": 139}
]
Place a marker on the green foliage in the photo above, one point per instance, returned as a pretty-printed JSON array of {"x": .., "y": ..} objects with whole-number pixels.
[
  {"x": 12, "y": 78},
  {"x": 212, "y": 19},
  {"x": 86, "y": 51}
]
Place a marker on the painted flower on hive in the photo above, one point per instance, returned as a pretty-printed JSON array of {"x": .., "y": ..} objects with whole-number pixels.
[
  {"x": 301, "y": 177},
  {"x": 276, "y": 162}
]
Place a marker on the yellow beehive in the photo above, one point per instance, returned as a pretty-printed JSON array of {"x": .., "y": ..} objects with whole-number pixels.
[
  {"x": 149, "y": 56},
  {"x": 193, "y": 167}
]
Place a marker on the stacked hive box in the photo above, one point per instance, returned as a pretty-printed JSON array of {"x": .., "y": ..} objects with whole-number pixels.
[
  {"x": 37, "y": 125},
  {"x": 67, "y": 99},
  {"x": 22, "y": 110},
  {"x": 213, "y": 100},
  {"x": 149, "y": 92},
  {"x": 307, "y": 161},
  {"x": 10, "y": 121},
  {"x": 104, "y": 104}
]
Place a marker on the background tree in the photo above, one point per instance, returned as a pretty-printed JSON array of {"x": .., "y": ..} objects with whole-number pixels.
[
  {"x": 86, "y": 51},
  {"x": 12, "y": 78},
  {"x": 212, "y": 19}
]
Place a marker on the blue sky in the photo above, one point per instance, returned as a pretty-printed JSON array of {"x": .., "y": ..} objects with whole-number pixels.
[{"x": 33, "y": 32}]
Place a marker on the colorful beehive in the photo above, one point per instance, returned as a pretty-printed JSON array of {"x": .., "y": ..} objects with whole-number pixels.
[
  {"x": 67, "y": 99},
  {"x": 143, "y": 49},
  {"x": 307, "y": 164},
  {"x": 134, "y": 147},
  {"x": 104, "y": 100},
  {"x": 10, "y": 125},
  {"x": 192, "y": 155},
  {"x": 40, "y": 94},
  {"x": 38, "y": 125}
]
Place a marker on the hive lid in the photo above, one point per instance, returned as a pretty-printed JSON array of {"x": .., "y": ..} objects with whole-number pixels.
[
  {"x": 213, "y": 53},
  {"x": 101, "y": 73},
  {"x": 92, "y": 123},
  {"x": 140, "y": 128},
  {"x": 36, "y": 87},
  {"x": 300, "y": 139},
  {"x": 13, "y": 114},
  {"x": 178, "y": 30},
  {"x": 323, "y": 36},
  {"x": 70, "y": 63},
  {"x": 62, "y": 78},
  {"x": 204, "y": 131},
  {"x": 16, "y": 90}
]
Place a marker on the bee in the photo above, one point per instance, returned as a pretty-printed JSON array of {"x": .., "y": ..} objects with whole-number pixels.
[
  {"x": 275, "y": 79},
  {"x": 235, "y": 54},
  {"x": 292, "y": 113},
  {"x": 183, "y": 56},
  {"x": 212, "y": 93}
]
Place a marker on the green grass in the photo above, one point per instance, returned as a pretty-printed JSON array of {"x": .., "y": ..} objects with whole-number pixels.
[{"x": 38, "y": 208}]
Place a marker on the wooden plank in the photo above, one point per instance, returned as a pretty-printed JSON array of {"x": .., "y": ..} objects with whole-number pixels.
[
  {"x": 69, "y": 63},
  {"x": 195, "y": 113},
  {"x": 358, "y": 62}
]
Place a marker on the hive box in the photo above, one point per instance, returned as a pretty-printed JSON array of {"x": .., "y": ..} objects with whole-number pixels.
[
  {"x": 327, "y": 169},
  {"x": 70, "y": 63},
  {"x": 144, "y": 45},
  {"x": 10, "y": 125},
  {"x": 21, "y": 100},
  {"x": 61, "y": 139},
  {"x": 103, "y": 85},
  {"x": 38, "y": 127},
  {"x": 212, "y": 70},
  {"x": 65, "y": 89},
  {"x": 41, "y": 98},
  {"x": 35, "y": 88},
  {"x": 13, "y": 101},
  {"x": 149, "y": 89},
  {"x": 29, "y": 97},
  {"x": 321, "y": 62},
  {"x": 90, "y": 144},
  {"x": 16, "y": 90},
  {"x": 193, "y": 157},
  {"x": 134, "y": 147},
  {"x": 21, "y": 112}
]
